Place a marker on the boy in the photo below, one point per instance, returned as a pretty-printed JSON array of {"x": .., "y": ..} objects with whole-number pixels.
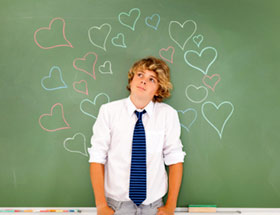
[{"x": 133, "y": 139}]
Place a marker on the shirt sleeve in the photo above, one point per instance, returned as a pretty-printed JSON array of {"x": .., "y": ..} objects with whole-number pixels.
[
  {"x": 173, "y": 149},
  {"x": 100, "y": 139}
]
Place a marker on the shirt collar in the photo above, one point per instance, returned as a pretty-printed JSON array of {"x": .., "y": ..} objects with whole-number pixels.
[{"x": 131, "y": 107}]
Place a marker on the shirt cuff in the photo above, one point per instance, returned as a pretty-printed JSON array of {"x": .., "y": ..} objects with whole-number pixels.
[
  {"x": 96, "y": 157},
  {"x": 173, "y": 158}
]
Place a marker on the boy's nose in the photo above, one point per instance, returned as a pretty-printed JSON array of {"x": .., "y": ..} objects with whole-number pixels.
[{"x": 143, "y": 81}]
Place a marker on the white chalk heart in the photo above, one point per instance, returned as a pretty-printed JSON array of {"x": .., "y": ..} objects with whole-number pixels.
[
  {"x": 119, "y": 40},
  {"x": 198, "y": 39},
  {"x": 98, "y": 35},
  {"x": 129, "y": 19},
  {"x": 194, "y": 91},
  {"x": 106, "y": 68},
  {"x": 182, "y": 33},
  {"x": 201, "y": 61},
  {"x": 76, "y": 144},
  {"x": 218, "y": 114},
  {"x": 94, "y": 106}
]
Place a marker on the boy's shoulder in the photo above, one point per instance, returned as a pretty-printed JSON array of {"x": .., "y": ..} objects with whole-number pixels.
[
  {"x": 160, "y": 106},
  {"x": 113, "y": 105}
]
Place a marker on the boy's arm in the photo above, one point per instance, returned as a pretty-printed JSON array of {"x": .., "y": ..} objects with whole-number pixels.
[
  {"x": 175, "y": 178},
  {"x": 97, "y": 181},
  {"x": 97, "y": 158}
]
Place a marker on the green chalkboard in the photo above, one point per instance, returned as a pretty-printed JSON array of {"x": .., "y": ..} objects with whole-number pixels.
[{"x": 60, "y": 60}]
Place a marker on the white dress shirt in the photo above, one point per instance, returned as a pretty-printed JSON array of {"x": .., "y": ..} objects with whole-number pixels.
[{"x": 112, "y": 145}]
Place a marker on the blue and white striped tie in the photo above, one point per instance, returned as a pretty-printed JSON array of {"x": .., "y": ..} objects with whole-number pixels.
[{"x": 138, "y": 178}]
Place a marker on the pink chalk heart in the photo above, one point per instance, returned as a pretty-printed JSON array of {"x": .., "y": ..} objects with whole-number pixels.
[
  {"x": 211, "y": 81},
  {"x": 169, "y": 52},
  {"x": 84, "y": 59},
  {"x": 49, "y": 117},
  {"x": 45, "y": 29},
  {"x": 77, "y": 85}
]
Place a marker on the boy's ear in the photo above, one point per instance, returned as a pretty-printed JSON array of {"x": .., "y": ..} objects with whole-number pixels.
[
  {"x": 158, "y": 90},
  {"x": 156, "y": 94}
]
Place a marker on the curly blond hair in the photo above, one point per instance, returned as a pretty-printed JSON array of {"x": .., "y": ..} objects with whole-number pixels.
[{"x": 163, "y": 75}]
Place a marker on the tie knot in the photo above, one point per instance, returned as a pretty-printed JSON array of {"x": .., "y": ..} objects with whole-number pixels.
[{"x": 139, "y": 114}]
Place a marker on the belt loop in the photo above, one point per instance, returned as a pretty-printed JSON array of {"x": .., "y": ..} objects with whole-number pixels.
[
  {"x": 155, "y": 202},
  {"x": 116, "y": 204},
  {"x": 119, "y": 204},
  {"x": 135, "y": 206}
]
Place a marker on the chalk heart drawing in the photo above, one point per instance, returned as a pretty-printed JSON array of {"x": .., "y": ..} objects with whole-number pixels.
[
  {"x": 190, "y": 114},
  {"x": 186, "y": 30},
  {"x": 92, "y": 74},
  {"x": 80, "y": 87},
  {"x": 167, "y": 54},
  {"x": 198, "y": 39},
  {"x": 211, "y": 81},
  {"x": 206, "y": 57},
  {"x": 129, "y": 19},
  {"x": 119, "y": 40},
  {"x": 51, "y": 78},
  {"x": 153, "y": 21},
  {"x": 106, "y": 68},
  {"x": 57, "y": 107},
  {"x": 76, "y": 144},
  {"x": 198, "y": 91},
  {"x": 223, "y": 104},
  {"x": 45, "y": 29},
  {"x": 98, "y": 35},
  {"x": 93, "y": 103}
]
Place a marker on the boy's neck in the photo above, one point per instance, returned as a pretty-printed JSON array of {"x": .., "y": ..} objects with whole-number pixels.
[{"x": 139, "y": 103}]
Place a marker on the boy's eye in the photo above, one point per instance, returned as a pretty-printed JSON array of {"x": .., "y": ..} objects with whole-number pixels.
[
  {"x": 139, "y": 74},
  {"x": 152, "y": 80}
]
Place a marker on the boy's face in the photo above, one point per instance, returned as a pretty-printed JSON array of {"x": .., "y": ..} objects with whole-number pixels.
[{"x": 144, "y": 85}]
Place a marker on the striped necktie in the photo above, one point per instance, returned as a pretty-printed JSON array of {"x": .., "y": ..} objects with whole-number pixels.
[{"x": 137, "y": 186}]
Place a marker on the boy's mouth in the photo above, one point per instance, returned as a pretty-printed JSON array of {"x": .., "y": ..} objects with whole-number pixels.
[{"x": 141, "y": 88}]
